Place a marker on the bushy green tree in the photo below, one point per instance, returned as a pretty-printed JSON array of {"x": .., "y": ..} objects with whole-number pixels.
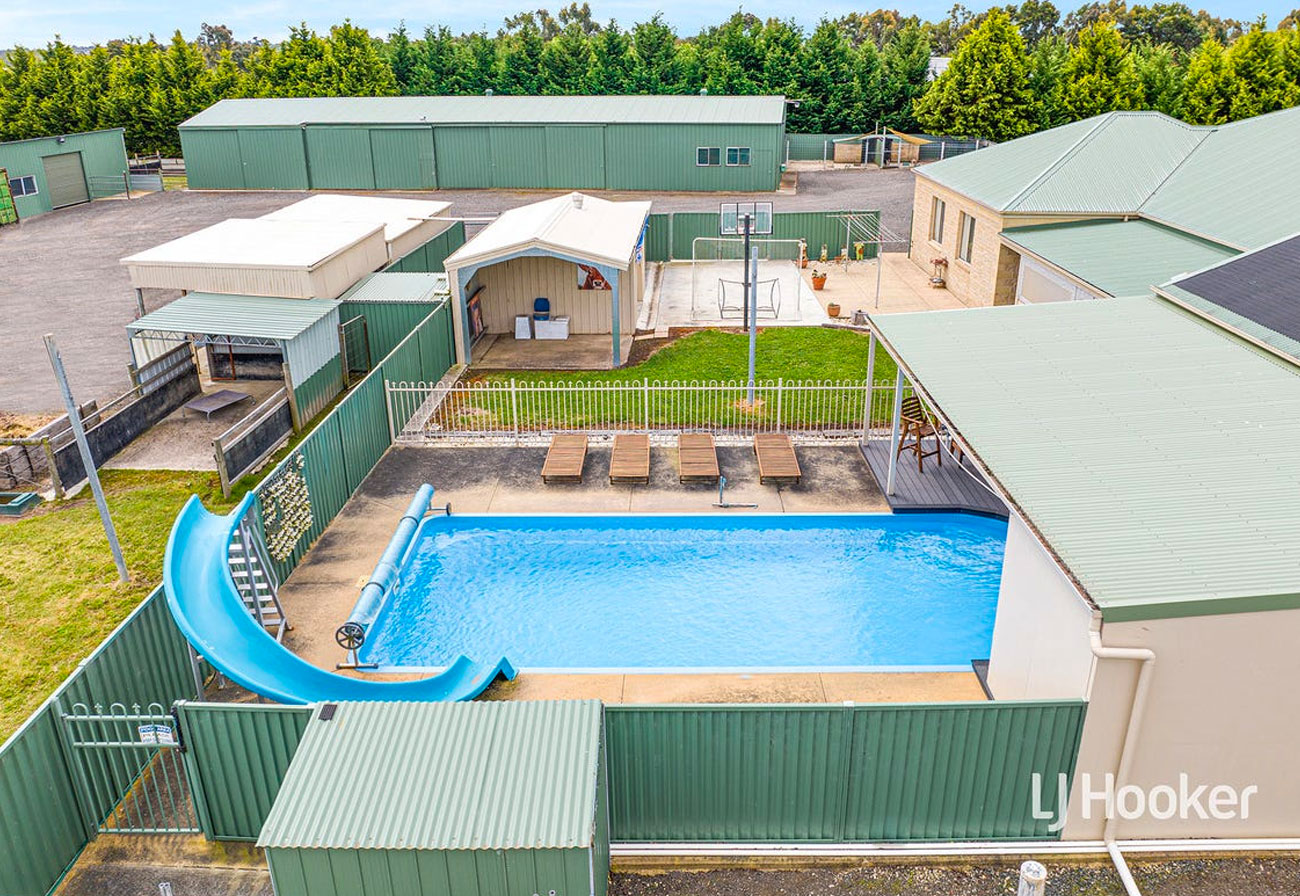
[
  {"x": 1168, "y": 24},
  {"x": 1047, "y": 80},
  {"x": 352, "y": 65},
  {"x": 1161, "y": 78},
  {"x": 654, "y": 57},
  {"x": 1258, "y": 72},
  {"x": 1207, "y": 85},
  {"x": 829, "y": 82},
  {"x": 436, "y": 66},
  {"x": 566, "y": 62},
  {"x": 611, "y": 61},
  {"x": 1099, "y": 74},
  {"x": 905, "y": 72},
  {"x": 520, "y": 71},
  {"x": 985, "y": 91}
]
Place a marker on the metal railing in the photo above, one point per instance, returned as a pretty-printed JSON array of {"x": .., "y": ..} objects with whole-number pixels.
[{"x": 520, "y": 411}]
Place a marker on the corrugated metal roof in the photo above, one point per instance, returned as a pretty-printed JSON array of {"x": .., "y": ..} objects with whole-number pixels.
[
  {"x": 252, "y": 317},
  {"x": 1241, "y": 185},
  {"x": 399, "y": 287},
  {"x": 576, "y": 224},
  {"x": 450, "y": 110},
  {"x": 494, "y": 775},
  {"x": 399, "y": 216},
  {"x": 1120, "y": 258},
  {"x": 1255, "y": 294},
  {"x": 1153, "y": 451},
  {"x": 259, "y": 243},
  {"x": 1108, "y": 164}
]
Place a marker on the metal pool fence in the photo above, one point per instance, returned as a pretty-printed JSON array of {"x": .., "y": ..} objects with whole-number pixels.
[{"x": 517, "y": 411}]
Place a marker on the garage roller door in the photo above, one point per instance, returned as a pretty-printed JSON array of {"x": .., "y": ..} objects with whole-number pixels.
[{"x": 65, "y": 179}]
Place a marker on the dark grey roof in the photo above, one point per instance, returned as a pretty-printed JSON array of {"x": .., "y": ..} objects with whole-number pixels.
[{"x": 1260, "y": 289}]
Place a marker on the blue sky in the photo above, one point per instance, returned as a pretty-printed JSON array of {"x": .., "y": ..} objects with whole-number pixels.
[{"x": 33, "y": 22}]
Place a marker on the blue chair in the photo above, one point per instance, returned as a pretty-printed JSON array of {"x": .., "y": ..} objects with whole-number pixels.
[{"x": 541, "y": 309}]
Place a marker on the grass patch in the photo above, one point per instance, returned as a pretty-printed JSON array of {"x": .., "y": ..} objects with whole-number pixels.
[
  {"x": 791, "y": 353},
  {"x": 58, "y": 585},
  {"x": 174, "y": 181}
]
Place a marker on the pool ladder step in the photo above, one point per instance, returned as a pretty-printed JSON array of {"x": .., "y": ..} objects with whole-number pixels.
[{"x": 255, "y": 579}]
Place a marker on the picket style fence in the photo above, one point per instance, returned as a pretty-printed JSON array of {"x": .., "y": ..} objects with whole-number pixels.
[{"x": 514, "y": 411}]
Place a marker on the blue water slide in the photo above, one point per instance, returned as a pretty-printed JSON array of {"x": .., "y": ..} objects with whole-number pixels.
[
  {"x": 211, "y": 614},
  {"x": 352, "y": 633}
]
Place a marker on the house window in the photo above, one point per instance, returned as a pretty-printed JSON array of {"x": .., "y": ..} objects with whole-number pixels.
[
  {"x": 937, "y": 208},
  {"x": 23, "y": 186},
  {"x": 708, "y": 155},
  {"x": 966, "y": 238},
  {"x": 737, "y": 155}
]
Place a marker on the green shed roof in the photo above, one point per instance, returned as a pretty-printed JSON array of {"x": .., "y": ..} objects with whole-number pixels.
[
  {"x": 446, "y": 776},
  {"x": 399, "y": 286},
  {"x": 250, "y": 317},
  {"x": 1120, "y": 258},
  {"x": 1153, "y": 451},
  {"x": 453, "y": 110}
]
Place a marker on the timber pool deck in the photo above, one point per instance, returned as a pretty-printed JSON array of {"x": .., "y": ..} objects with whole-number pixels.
[{"x": 938, "y": 489}]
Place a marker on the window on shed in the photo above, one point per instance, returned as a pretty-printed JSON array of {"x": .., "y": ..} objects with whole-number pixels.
[
  {"x": 966, "y": 237},
  {"x": 937, "y": 209},
  {"x": 737, "y": 155},
  {"x": 708, "y": 155},
  {"x": 23, "y": 186}
]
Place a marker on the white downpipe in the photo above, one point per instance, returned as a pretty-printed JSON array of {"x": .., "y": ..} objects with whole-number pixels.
[
  {"x": 1137, "y": 711},
  {"x": 895, "y": 433}
]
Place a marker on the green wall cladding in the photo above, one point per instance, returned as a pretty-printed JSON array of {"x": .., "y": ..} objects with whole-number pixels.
[
  {"x": 314, "y": 394},
  {"x": 145, "y": 660},
  {"x": 387, "y": 323},
  {"x": 103, "y": 155},
  {"x": 885, "y": 772},
  {"x": 483, "y": 872},
  {"x": 236, "y": 759},
  {"x": 333, "y": 466},
  {"x": 403, "y": 158},
  {"x": 598, "y": 156},
  {"x": 432, "y": 256},
  {"x": 273, "y": 158}
]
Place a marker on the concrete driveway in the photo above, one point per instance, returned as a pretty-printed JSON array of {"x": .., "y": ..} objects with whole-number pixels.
[{"x": 62, "y": 273}]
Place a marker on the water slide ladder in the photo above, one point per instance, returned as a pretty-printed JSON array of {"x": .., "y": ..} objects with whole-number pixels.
[{"x": 256, "y": 581}]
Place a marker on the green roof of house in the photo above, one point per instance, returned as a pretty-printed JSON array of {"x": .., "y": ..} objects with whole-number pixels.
[
  {"x": 446, "y": 776},
  {"x": 1119, "y": 258},
  {"x": 454, "y": 110},
  {"x": 249, "y": 317},
  {"x": 1152, "y": 451},
  {"x": 1109, "y": 164},
  {"x": 1241, "y": 186},
  {"x": 399, "y": 286}
]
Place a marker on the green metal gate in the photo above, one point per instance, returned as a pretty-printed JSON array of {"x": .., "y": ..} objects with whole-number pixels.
[
  {"x": 8, "y": 211},
  {"x": 128, "y": 769},
  {"x": 354, "y": 344}
]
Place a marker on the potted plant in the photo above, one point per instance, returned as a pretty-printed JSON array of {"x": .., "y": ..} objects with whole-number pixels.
[
  {"x": 939, "y": 276},
  {"x": 832, "y": 310},
  {"x": 818, "y": 278}
]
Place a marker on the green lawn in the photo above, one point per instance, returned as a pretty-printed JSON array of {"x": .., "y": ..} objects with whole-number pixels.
[
  {"x": 59, "y": 593},
  {"x": 791, "y": 353}
]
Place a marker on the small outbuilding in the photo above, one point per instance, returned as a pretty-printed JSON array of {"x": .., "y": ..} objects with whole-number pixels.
[
  {"x": 444, "y": 799},
  {"x": 579, "y": 257},
  {"x": 261, "y": 257},
  {"x": 46, "y": 173}
]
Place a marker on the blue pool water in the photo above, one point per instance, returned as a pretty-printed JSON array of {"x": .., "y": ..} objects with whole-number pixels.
[{"x": 672, "y": 592}]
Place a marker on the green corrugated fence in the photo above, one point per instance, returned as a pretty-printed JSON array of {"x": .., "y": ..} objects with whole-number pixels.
[
  {"x": 331, "y": 465},
  {"x": 42, "y": 818},
  {"x": 954, "y": 771},
  {"x": 671, "y": 237},
  {"x": 433, "y": 254},
  {"x": 812, "y": 147},
  {"x": 236, "y": 757}
]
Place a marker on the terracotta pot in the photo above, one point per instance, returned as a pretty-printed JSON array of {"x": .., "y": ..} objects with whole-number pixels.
[
  {"x": 818, "y": 282},
  {"x": 832, "y": 309},
  {"x": 803, "y": 262}
]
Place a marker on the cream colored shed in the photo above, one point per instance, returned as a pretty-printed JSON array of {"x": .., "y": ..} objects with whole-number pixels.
[
  {"x": 584, "y": 255},
  {"x": 260, "y": 257},
  {"x": 408, "y": 223}
]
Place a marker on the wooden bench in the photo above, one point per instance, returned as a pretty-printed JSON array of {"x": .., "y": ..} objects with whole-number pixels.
[
  {"x": 697, "y": 457},
  {"x": 565, "y": 458},
  {"x": 630, "y": 459},
  {"x": 776, "y": 458}
]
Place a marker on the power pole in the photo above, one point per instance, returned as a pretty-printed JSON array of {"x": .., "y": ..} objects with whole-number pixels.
[
  {"x": 79, "y": 433},
  {"x": 751, "y": 303}
]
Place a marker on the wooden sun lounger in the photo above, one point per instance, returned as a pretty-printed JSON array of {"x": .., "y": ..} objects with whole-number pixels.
[
  {"x": 630, "y": 459},
  {"x": 776, "y": 458},
  {"x": 565, "y": 458},
  {"x": 697, "y": 457}
]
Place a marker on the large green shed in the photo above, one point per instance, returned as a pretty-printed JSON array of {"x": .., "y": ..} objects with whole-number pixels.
[
  {"x": 444, "y": 799},
  {"x": 718, "y": 143},
  {"x": 46, "y": 173}
]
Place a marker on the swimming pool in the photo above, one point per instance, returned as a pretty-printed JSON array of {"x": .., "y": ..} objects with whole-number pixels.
[{"x": 643, "y": 593}]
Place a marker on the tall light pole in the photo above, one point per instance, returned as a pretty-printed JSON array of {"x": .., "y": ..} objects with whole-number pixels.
[{"x": 88, "y": 462}]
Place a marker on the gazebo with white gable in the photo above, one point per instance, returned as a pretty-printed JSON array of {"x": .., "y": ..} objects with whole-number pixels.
[{"x": 584, "y": 255}]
